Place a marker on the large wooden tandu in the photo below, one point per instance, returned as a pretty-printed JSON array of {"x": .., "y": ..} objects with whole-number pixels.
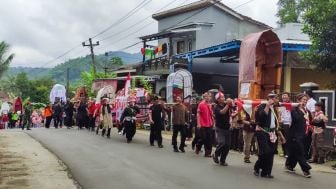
[{"x": 260, "y": 65}]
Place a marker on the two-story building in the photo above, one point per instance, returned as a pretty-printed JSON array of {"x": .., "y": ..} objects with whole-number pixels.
[{"x": 191, "y": 27}]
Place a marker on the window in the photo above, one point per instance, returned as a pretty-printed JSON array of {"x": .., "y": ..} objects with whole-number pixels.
[{"x": 180, "y": 47}]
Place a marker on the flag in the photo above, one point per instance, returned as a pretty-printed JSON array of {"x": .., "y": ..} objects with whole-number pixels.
[
  {"x": 250, "y": 105},
  {"x": 127, "y": 85}
]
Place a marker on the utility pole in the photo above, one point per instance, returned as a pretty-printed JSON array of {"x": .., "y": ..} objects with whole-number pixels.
[
  {"x": 105, "y": 68},
  {"x": 92, "y": 54},
  {"x": 67, "y": 82}
]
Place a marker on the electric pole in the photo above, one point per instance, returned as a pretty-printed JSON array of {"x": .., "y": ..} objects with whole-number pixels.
[
  {"x": 67, "y": 82},
  {"x": 92, "y": 54},
  {"x": 105, "y": 68}
]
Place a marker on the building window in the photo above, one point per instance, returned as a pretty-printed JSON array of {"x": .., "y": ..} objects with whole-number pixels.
[
  {"x": 180, "y": 47},
  {"x": 190, "y": 45}
]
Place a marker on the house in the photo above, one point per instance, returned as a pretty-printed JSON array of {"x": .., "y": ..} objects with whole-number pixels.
[
  {"x": 296, "y": 71},
  {"x": 191, "y": 27}
]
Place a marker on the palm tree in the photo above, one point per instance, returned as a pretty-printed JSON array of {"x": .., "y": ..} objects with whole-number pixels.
[{"x": 4, "y": 59}]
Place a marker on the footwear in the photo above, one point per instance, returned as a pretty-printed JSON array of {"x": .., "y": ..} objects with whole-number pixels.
[
  {"x": 333, "y": 167},
  {"x": 152, "y": 144},
  {"x": 307, "y": 174},
  {"x": 312, "y": 161},
  {"x": 256, "y": 173},
  {"x": 223, "y": 164},
  {"x": 291, "y": 170},
  {"x": 267, "y": 176},
  {"x": 208, "y": 155},
  {"x": 320, "y": 161},
  {"x": 197, "y": 151},
  {"x": 129, "y": 140},
  {"x": 215, "y": 159},
  {"x": 182, "y": 149},
  {"x": 193, "y": 147},
  {"x": 176, "y": 150},
  {"x": 160, "y": 146},
  {"x": 247, "y": 161}
]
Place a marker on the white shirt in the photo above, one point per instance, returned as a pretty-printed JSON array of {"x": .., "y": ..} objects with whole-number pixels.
[
  {"x": 311, "y": 105},
  {"x": 272, "y": 126},
  {"x": 285, "y": 116}
]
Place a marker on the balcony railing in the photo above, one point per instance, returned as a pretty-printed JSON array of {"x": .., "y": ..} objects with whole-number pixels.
[{"x": 160, "y": 64}]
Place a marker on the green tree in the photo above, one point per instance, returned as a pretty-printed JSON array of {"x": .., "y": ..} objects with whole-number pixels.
[
  {"x": 320, "y": 24},
  {"x": 289, "y": 11},
  {"x": 5, "y": 58},
  {"x": 37, "y": 90},
  {"x": 87, "y": 78},
  {"x": 115, "y": 62}
]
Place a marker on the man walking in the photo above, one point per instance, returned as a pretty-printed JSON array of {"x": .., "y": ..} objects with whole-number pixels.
[
  {"x": 57, "y": 114},
  {"x": 222, "y": 118},
  {"x": 296, "y": 136},
  {"x": 285, "y": 120},
  {"x": 267, "y": 123},
  {"x": 69, "y": 109},
  {"x": 27, "y": 117},
  {"x": 156, "y": 118},
  {"x": 205, "y": 123},
  {"x": 128, "y": 118},
  {"x": 180, "y": 117}
]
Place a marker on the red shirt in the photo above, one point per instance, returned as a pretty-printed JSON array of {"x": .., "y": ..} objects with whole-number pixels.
[
  {"x": 205, "y": 114},
  {"x": 92, "y": 109}
]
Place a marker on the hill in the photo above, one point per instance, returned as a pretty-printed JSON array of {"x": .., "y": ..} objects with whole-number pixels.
[{"x": 76, "y": 66}]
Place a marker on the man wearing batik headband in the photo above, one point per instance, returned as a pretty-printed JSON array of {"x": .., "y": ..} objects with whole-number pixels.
[
  {"x": 222, "y": 117},
  {"x": 296, "y": 136},
  {"x": 128, "y": 118},
  {"x": 267, "y": 124}
]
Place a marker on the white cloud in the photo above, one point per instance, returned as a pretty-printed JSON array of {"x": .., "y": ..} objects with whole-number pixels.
[{"x": 40, "y": 30}]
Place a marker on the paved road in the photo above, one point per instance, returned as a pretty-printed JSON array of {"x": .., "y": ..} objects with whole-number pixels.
[{"x": 97, "y": 162}]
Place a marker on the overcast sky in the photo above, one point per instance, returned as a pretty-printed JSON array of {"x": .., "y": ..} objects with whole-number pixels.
[{"x": 41, "y": 30}]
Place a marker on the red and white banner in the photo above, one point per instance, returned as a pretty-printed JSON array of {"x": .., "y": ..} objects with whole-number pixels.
[{"x": 250, "y": 105}]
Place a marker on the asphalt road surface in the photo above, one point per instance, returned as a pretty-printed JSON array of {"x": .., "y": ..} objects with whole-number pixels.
[{"x": 97, "y": 162}]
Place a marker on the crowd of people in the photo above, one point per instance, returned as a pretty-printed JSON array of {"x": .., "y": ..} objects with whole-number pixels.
[{"x": 215, "y": 122}]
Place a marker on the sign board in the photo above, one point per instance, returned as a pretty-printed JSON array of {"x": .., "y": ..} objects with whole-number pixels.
[{"x": 245, "y": 89}]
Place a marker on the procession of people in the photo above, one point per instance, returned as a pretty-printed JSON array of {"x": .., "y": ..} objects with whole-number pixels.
[{"x": 211, "y": 122}]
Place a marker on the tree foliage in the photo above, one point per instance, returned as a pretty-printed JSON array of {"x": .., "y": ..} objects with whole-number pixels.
[
  {"x": 37, "y": 90},
  {"x": 5, "y": 58},
  {"x": 87, "y": 78},
  {"x": 116, "y": 61},
  {"x": 289, "y": 11},
  {"x": 320, "y": 24}
]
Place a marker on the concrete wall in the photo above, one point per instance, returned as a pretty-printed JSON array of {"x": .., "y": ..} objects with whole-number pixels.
[{"x": 299, "y": 76}]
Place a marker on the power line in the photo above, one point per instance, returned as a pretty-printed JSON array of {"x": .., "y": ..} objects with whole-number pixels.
[
  {"x": 139, "y": 22},
  {"x": 137, "y": 30},
  {"x": 130, "y": 13},
  {"x": 133, "y": 11},
  {"x": 243, "y": 4},
  {"x": 121, "y": 20}
]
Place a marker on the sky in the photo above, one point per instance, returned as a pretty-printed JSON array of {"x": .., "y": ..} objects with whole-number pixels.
[{"x": 39, "y": 31}]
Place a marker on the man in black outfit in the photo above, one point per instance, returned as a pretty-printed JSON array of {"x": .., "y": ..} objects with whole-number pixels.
[
  {"x": 156, "y": 118},
  {"x": 222, "y": 118},
  {"x": 296, "y": 136},
  {"x": 57, "y": 114},
  {"x": 267, "y": 123}
]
